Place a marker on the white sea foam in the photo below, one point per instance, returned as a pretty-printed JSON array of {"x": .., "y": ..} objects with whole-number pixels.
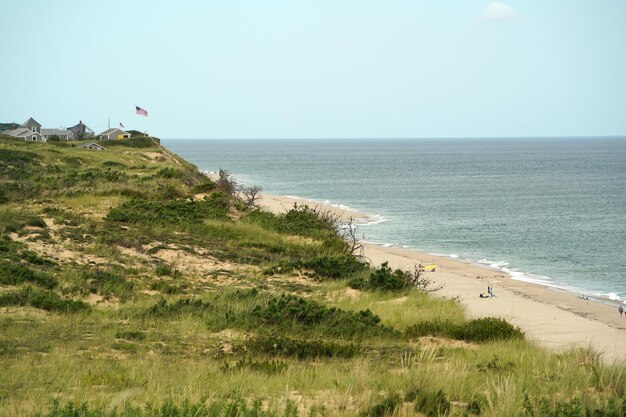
[{"x": 614, "y": 297}]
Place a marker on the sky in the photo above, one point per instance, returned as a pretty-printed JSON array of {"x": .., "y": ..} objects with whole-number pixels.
[{"x": 318, "y": 69}]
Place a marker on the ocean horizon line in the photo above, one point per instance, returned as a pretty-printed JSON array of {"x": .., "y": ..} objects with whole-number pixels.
[{"x": 410, "y": 138}]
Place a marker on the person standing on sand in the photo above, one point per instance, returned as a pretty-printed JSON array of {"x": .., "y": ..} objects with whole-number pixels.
[
  {"x": 490, "y": 291},
  {"x": 621, "y": 310}
]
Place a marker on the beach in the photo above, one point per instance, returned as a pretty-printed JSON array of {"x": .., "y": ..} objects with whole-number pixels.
[{"x": 557, "y": 320}]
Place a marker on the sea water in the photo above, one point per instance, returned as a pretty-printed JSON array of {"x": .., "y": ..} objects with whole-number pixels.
[{"x": 545, "y": 210}]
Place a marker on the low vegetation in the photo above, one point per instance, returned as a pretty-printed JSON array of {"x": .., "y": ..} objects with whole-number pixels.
[{"x": 132, "y": 285}]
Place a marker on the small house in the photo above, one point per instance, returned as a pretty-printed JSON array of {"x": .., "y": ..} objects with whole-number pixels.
[
  {"x": 93, "y": 146},
  {"x": 114, "y": 133},
  {"x": 60, "y": 133},
  {"x": 81, "y": 131},
  {"x": 26, "y": 134}
]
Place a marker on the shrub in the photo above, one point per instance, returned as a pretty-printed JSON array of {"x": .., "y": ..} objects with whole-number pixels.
[
  {"x": 490, "y": 328},
  {"x": 204, "y": 187},
  {"x": 288, "y": 310},
  {"x": 182, "y": 306},
  {"x": 386, "y": 407},
  {"x": 476, "y": 330},
  {"x": 300, "y": 348},
  {"x": 383, "y": 278},
  {"x": 12, "y": 273},
  {"x": 107, "y": 283},
  {"x": 301, "y": 220},
  {"x": 175, "y": 212},
  {"x": 136, "y": 133},
  {"x": 130, "y": 335},
  {"x": 33, "y": 258},
  {"x": 336, "y": 267},
  {"x": 169, "y": 173},
  {"x": 135, "y": 142},
  {"x": 432, "y": 404},
  {"x": 44, "y": 300},
  {"x": 3, "y": 196}
]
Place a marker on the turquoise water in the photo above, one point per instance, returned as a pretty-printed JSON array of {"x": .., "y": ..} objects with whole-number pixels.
[{"x": 545, "y": 210}]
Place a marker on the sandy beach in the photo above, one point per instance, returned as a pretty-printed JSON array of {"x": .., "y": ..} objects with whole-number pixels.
[{"x": 554, "y": 319}]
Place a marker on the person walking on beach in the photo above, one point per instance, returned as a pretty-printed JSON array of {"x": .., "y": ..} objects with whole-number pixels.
[
  {"x": 621, "y": 310},
  {"x": 490, "y": 291}
]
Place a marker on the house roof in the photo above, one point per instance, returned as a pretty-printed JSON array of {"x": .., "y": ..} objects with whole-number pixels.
[
  {"x": 113, "y": 129},
  {"x": 30, "y": 119},
  {"x": 58, "y": 132},
  {"x": 94, "y": 144},
  {"x": 20, "y": 132}
]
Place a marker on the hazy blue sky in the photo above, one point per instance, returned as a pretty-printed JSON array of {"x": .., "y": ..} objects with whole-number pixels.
[{"x": 291, "y": 69}]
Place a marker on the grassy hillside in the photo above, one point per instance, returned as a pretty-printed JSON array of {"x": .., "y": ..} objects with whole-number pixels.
[{"x": 131, "y": 285}]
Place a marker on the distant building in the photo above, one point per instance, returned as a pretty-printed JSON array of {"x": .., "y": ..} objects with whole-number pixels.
[
  {"x": 114, "y": 133},
  {"x": 94, "y": 147},
  {"x": 32, "y": 125},
  {"x": 26, "y": 134},
  {"x": 60, "y": 133},
  {"x": 81, "y": 131}
]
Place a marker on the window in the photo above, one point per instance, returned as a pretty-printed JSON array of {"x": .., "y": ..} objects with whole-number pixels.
[{"x": 34, "y": 138}]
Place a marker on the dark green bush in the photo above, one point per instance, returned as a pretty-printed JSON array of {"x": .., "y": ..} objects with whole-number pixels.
[
  {"x": 134, "y": 142},
  {"x": 336, "y": 267},
  {"x": 205, "y": 186},
  {"x": 490, "y": 328},
  {"x": 168, "y": 172},
  {"x": 288, "y": 311},
  {"x": 4, "y": 198},
  {"x": 113, "y": 164},
  {"x": 182, "y": 306},
  {"x": 12, "y": 273},
  {"x": 432, "y": 404},
  {"x": 33, "y": 258},
  {"x": 130, "y": 335},
  {"x": 107, "y": 283},
  {"x": 303, "y": 349},
  {"x": 174, "y": 212},
  {"x": 44, "y": 300},
  {"x": 383, "y": 278},
  {"x": 16, "y": 158},
  {"x": 386, "y": 407},
  {"x": 477, "y": 330},
  {"x": 301, "y": 220}
]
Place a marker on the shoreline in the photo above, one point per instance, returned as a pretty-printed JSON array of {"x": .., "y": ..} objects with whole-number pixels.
[{"x": 550, "y": 316}]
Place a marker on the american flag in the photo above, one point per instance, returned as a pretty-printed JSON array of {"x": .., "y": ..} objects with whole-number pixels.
[{"x": 140, "y": 111}]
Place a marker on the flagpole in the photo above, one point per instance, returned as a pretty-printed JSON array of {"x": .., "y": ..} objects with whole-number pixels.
[{"x": 109, "y": 119}]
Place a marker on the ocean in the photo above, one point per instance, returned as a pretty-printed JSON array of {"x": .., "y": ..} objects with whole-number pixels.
[{"x": 545, "y": 210}]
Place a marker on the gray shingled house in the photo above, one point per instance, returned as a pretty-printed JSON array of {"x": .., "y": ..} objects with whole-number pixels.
[
  {"x": 60, "y": 133},
  {"x": 26, "y": 134},
  {"x": 114, "y": 133},
  {"x": 81, "y": 131},
  {"x": 93, "y": 146}
]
